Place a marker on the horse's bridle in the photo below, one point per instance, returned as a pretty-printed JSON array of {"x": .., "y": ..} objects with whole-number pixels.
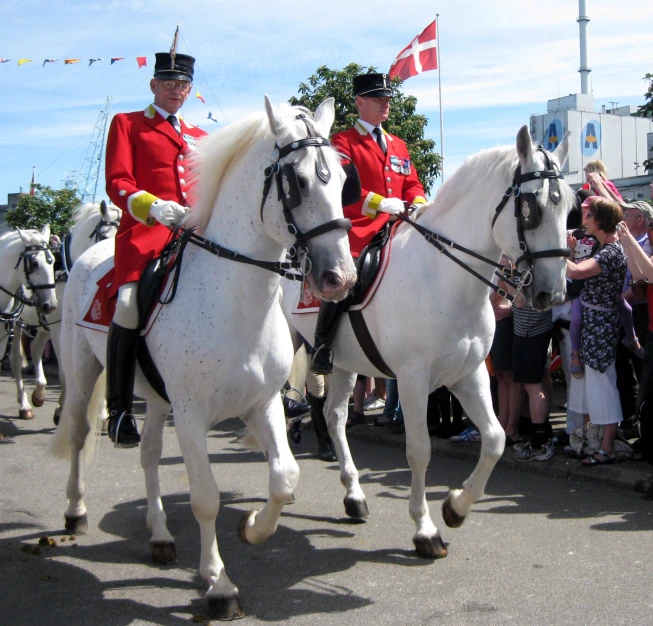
[
  {"x": 527, "y": 213},
  {"x": 289, "y": 192}
]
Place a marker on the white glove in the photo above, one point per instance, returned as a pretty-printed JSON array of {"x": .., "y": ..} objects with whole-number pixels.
[
  {"x": 394, "y": 206},
  {"x": 167, "y": 212}
]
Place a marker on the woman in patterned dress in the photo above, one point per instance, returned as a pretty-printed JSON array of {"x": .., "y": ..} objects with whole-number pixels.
[{"x": 596, "y": 395}]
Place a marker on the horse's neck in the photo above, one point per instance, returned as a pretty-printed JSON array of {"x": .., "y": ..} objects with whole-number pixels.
[
  {"x": 81, "y": 239},
  {"x": 237, "y": 226},
  {"x": 10, "y": 275},
  {"x": 469, "y": 226}
]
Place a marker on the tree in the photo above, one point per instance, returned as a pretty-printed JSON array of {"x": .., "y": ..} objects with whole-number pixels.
[
  {"x": 403, "y": 120},
  {"x": 46, "y": 206},
  {"x": 646, "y": 110}
]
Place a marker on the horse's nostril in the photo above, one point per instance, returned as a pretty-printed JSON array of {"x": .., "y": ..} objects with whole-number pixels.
[{"x": 331, "y": 279}]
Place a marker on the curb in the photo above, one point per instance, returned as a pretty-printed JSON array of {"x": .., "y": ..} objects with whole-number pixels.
[{"x": 621, "y": 476}]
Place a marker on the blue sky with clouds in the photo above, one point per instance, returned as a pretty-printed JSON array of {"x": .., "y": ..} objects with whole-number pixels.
[{"x": 501, "y": 61}]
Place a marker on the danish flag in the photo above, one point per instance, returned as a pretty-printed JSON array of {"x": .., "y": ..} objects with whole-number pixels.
[{"x": 420, "y": 55}]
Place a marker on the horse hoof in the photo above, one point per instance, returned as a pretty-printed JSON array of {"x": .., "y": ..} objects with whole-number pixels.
[
  {"x": 430, "y": 547},
  {"x": 26, "y": 414},
  {"x": 77, "y": 525},
  {"x": 226, "y": 609},
  {"x": 36, "y": 401},
  {"x": 57, "y": 416},
  {"x": 356, "y": 508},
  {"x": 246, "y": 521},
  {"x": 450, "y": 517},
  {"x": 163, "y": 552}
]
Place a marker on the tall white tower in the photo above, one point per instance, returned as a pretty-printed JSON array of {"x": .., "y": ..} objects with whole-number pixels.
[{"x": 582, "y": 27}]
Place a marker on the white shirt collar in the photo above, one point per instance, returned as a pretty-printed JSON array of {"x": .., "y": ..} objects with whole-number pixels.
[
  {"x": 367, "y": 126},
  {"x": 165, "y": 114}
]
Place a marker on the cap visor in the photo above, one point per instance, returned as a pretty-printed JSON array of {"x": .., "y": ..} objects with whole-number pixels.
[
  {"x": 377, "y": 93},
  {"x": 173, "y": 75}
]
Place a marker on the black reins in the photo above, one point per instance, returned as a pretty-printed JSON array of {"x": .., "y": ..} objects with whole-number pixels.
[{"x": 528, "y": 218}]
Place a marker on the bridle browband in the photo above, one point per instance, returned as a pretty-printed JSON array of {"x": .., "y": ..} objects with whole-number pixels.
[{"x": 528, "y": 218}]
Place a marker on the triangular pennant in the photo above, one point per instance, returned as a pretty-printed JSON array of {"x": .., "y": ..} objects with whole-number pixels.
[
  {"x": 71, "y": 61},
  {"x": 142, "y": 61},
  {"x": 114, "y": 59},
  {"x": 23, "y": 61}
]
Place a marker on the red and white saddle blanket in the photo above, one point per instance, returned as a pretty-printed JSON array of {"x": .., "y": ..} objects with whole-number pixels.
[
  {"x": 308, "y": 303},
  {"x": 99, "y": 311}
]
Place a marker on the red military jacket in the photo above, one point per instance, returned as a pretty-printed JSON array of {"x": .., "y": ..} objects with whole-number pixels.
[
  {"x": 146, "y": 160},
  {"x": 382, "y": 176}
]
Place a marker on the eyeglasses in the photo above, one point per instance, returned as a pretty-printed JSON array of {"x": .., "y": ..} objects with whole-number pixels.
[{"x": 172, "y": 85}]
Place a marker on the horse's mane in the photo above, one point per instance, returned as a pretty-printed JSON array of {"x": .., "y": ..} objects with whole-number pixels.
[
  {"x": 215, "y": 154},
  {"x": 477, "y": 171}
]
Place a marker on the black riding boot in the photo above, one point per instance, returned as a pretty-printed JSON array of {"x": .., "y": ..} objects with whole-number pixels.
[
  {"x": 121, "y": 370},
  {"x": 324, "y": 444},
  {"x": 325, "y": 331}
]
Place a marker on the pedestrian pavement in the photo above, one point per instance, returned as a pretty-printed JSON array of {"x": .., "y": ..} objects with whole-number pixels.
[{"x": 621, "y": 475}]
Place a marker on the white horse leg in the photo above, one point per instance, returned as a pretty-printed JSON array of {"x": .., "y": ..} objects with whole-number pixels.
[
  {"x": 75, "y": 419},
  {"x": 413, "y": 392},
  {"x": 190, "y": 424},
  {"x": 162, "y": 543},
  {"x": 474, "y": 395},
  {"x": 269, "y": 429},
  {"x": 37, "y": 348},
  {"x": 340, "y": 387},
  {"x": 25, "y": 411}
]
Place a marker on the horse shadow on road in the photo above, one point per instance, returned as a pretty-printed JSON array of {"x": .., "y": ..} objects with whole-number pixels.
[{"x": 283, "y": 578}]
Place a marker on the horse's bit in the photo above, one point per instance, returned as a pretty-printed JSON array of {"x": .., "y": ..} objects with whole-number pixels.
[{"x": 528, "y": 215}]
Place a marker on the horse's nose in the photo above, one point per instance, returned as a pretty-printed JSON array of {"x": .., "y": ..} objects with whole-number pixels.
[
  {"x": 48, "y": 308},
  {"x": 331, "y": 280}
]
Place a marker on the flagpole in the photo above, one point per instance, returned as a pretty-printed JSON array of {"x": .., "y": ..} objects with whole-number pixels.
[{"x": 437, "y": 41}]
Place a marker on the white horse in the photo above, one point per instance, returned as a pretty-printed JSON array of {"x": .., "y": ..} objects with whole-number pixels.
[
  {"x": 26, "y": 259},
  {"x": 92, "y": 222},
  {"x": 222, "y": 345},
  {"x": 432, "y": 322}
]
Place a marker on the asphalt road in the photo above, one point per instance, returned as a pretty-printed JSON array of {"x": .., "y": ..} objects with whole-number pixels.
[{"x": 536, "y": 550}]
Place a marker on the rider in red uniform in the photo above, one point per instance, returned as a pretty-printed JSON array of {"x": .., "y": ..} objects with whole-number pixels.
[
  {"x": 387, "y": 177},
  {"x": 147, "y": 176}
]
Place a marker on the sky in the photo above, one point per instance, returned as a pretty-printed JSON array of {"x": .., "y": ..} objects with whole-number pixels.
[{"x": 501, "y": 60}]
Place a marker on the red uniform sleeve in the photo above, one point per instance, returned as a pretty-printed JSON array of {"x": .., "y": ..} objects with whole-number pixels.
[{"x": 119, "y": 162}]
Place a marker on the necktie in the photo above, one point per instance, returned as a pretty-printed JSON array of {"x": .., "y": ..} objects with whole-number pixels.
[
  {"x": 379, "y": 139},
  {"x": 174, "y": 122}
]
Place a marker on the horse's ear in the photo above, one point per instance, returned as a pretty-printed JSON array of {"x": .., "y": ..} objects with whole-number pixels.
[
  {"x": 24, "y": 236},
  {"x": 524, "y": 145},
  {"x": 272, "y": 116},
  {"x": 562, "y": 150},
  {"x": 103, "y": 209},
  {"x": 325, "y": 115},
  {"x": 45, "y": 232}
]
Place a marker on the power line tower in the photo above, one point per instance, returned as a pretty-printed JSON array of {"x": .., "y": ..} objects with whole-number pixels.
[{"x": 86, "y": 180}]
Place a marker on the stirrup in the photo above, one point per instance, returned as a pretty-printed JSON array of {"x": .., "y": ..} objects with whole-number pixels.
[
  {"x": 322, "y": 362},
  {"x": 124, "y": 434}
]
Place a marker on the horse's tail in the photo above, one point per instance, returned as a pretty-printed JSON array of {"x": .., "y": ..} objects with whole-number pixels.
[{"x": 96, "y": 414}]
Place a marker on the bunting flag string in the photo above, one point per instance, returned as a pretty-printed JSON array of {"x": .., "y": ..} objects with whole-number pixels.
[{"x": 141, "y": 61}]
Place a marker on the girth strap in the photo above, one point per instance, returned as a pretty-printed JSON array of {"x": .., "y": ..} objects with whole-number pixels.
[{"x": 367, "y": 343}]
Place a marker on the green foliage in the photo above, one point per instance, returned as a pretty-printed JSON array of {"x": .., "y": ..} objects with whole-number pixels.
[
  {"x": 403, "y": 121},
  {"x": 46, "y": 206},
  {"x": 646, "y": 110}
]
